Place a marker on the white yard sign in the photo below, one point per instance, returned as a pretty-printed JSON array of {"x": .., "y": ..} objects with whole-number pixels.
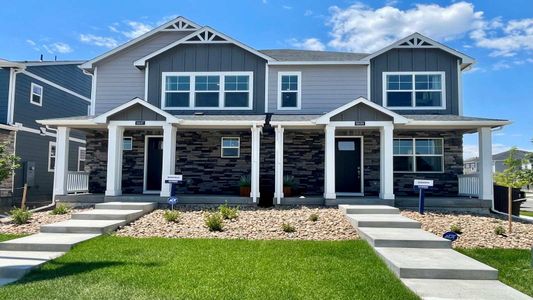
[{"x": 423, "y": 182}]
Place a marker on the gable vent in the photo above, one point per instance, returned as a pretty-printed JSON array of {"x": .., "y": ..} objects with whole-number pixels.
[
  {"x": 206, "y": 36},
  {"x": 180, "y": 25},
  {"x": 416, "y": 42}
]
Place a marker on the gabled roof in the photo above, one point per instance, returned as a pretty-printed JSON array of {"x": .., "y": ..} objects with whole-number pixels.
[
  {"x": 397, "y": 119},
  {"x": 135, "y": 101},
  {"x": 312, "y": 55},
  {"x": 417, "y": 40},
  {"x": 177, "y": 24},
  {"x": 207, "y": 35},
  {"x": 10, "y": 64}
]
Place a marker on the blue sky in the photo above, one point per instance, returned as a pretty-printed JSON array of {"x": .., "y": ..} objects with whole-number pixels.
[{"x": 498, "y": 34}]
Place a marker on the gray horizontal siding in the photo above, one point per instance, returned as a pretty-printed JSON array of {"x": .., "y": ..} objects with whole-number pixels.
[
  {"x": 397, "y": 60},
  {"x": 55, "y": 103},
  {"x": 68, "y": 76},
  {"x": 4, "y": 92},
  {"x": 118, "y": 81},
  {"x": 324, "y": 88},
  {"x": 208, "y": 58}
]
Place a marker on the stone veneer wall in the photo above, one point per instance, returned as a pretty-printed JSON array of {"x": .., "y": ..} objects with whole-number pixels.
[
  {"x": 133, "y": 161},
  {"x": 204, "y": 171},
  {"x": 96, "y": 161},
  {"x": 303, "y": 158}
]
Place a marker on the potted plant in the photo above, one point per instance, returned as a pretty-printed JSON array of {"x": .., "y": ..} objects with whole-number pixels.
[
  {"x": 245, "y": 184},
  {"x": 288, "y": 184}
]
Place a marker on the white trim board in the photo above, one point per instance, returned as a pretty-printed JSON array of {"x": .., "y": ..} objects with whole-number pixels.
[
  {"x": 89, "y": 64},
  {"x": 103, "y": 117},
  {"x": 325, "y": 119},
  {"x": 55, "y": 85}
]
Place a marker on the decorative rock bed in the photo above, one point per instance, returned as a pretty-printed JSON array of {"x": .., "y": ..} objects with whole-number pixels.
[
  {"x": 252, "y": 223},
  {"x": 478, "y": 230},
  {"x": 37, "y": 219}
]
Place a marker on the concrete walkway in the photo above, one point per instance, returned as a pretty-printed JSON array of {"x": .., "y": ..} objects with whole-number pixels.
[
  {"x": 19, "y": 256},
  {"x": 424, "y": 262}
]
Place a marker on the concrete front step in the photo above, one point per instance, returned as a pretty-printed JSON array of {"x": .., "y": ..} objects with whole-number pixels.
[
  {"x": 434, "y": 264},
  {"x": 402, "y": 238},
  {"x": 382, "y": 220},
  {"x": 45, "y": 242},
  {"x": 463, "y": 289},
  {"x": 368, "y": 209},
  {"x": 144, "y": 206},
  {"x": 83, "y": 226},
  {"x": 109, "y": 214},
  {"x": 14, "y": 264}
]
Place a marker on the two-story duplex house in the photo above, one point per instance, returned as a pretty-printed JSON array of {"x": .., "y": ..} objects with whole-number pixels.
[
  {"x": 36, "y": 90},
  {"x": 188, "y": 99}
]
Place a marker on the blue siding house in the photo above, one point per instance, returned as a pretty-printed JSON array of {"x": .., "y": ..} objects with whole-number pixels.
[
  {"x": 341, "y": 127},
  {"x": 31, "y": 91}
]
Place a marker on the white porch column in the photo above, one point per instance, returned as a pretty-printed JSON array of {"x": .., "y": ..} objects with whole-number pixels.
[
  {"x": 278, "y": 192},
  {"x": 169, "y": 157},
  {"x": 61, "y": 165},
  {"x": 329, "y": 163},
  {"x": 386, "y": 174},
  {"x": 256, "y": 145},
  {"x": 114, "y": 160},
  {"x": 485, "y": 164}
]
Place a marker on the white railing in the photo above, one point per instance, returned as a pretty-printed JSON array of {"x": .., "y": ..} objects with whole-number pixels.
[
  {"x": 77, "y": 182},
  {"x": 468, "y": 184}
]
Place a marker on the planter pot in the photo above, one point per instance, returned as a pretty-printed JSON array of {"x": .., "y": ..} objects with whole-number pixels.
[
  {"x": 245, "y": 191},
  {"x": 287, "y": 191}
]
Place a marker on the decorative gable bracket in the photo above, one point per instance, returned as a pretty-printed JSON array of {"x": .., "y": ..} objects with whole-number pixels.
[
  {"x": 416, "y": 42},
  {"x": 206, "y": 36},
  {"x": 181, "y": 25}
]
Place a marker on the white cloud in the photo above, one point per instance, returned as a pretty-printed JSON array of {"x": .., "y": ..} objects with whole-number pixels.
[
  {"x": 60, "y": 47},
  {"x": 287, "y": 7},
  {"x": 470, "y": 151},
  {"x": 501, "y": 65},
  {"x": 101, "y": 41},
  {"x": 362, "y": 28},
  {"x": 505, "y": 38},
  {"x": 136, "y": 29},
  {"x": 308, "y": 44},
  {"x": 30, "y": 42}
]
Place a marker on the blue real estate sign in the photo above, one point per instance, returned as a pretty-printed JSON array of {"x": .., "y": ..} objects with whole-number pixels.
[{"x": 450, "y": 235}]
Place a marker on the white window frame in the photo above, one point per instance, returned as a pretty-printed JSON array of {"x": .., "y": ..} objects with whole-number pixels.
[
  {"x": 414, "y": 90},
  {"x": 414, "y": 155},
  {"x": 80, "y": 149},
  {"x": 50, "y": 145},
  {"x": 298, "y": 91},
  {"x": 127, "y": 138},
  {"x": 221, "y": 92},
  {"x": 222, "y": 147},
  {"x": 40, "y": 103}
]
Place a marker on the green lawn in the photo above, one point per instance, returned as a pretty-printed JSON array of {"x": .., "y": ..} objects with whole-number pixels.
[
  {"x": 514, "y": 265},
  {"x": 526, "y": 213},
  {"x": 5, "y": 237},
  {"x": 112, "y": 267}
]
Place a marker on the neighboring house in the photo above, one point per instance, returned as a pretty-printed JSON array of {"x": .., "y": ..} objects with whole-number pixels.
[
  {"x": 36, "y": 90},
  {"x": 498, "y": 162},
  {"x": 190, "y": 100}
]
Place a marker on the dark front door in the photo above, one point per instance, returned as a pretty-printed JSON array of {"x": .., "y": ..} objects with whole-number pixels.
[
  {"x": 154, "y": 163},
  {"x": 348, "y": 165}
]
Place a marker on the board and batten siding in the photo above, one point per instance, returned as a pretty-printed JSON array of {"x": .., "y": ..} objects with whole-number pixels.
[
  {"x": 422, "y": 59},
  {"x": 118, "y": 80},
  {"x": 4, "y": 93},
  {"x": 324, "y": 88},
  {"x": 208, "y": 58}
]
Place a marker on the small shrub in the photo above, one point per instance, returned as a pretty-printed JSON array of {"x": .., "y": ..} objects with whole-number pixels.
[
  {"x": 456, "y": 228},
  {"x": 288, "y": 181},
  {"x": 228, "y": 212},
  {"x": 214, "y": 222},
  {"x": 20, "y": 215},
  {"x": 60, "y": 209},
  {"x": 287, "y": 227},
  {"x": 313, "y": 217},
  {"x": 499, "y": 230},
  {"x": 172, "y": 215},
  {"x": 245, "y": 181}
]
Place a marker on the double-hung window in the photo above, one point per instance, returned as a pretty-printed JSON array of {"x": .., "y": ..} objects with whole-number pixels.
[
  {"x": 207, "y": 90},
  {"x": 414, "y": 90},
  {"x": 51, "y": 156},
  {"x": 82, "y": 157},
  {"x": 289, "y": 90},
  {"x": 418, "y": 155},
  {"x": 230, "y": 147},
  {"x": 36, "y": 96}
]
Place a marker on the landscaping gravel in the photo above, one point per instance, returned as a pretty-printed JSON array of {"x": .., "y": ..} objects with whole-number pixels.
[
  {"x": 477, "y": 229},
  {"x": 252, "y": 223},
  {"x": 34, "y": 224}
]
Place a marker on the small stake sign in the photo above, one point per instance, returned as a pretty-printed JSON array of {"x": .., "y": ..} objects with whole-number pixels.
[
  {"x": 450, "y": 235},
  {"x": 173, "y": 178},
  {"x": 172, "y": 201}
]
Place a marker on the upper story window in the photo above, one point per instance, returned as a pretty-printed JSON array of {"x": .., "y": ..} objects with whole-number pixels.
[
  {"x": 289, "y": 90},
  {"x": 418, "y": 155},
  {"x": 414, "y": 90},
  {"x": 211, "y": 90},
  {"x": 36, "y": 96}
]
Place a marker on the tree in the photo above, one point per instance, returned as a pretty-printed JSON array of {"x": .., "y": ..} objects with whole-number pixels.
[
  {"x": 512, "y": 177},
  {"x": 8, "y": 162}
]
